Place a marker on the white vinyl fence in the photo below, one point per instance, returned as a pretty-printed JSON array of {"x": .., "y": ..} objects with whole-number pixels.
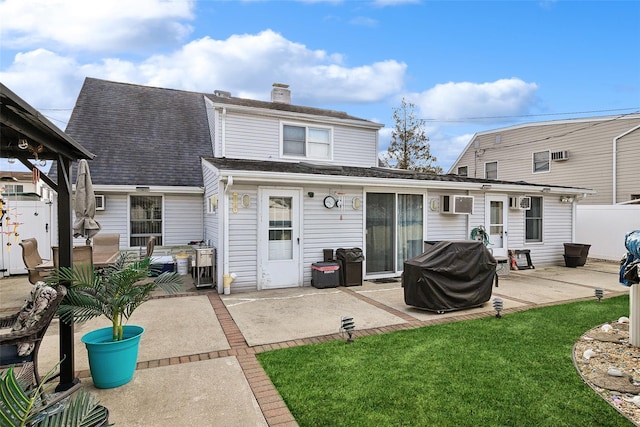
[{"x": 604, "y": 227}]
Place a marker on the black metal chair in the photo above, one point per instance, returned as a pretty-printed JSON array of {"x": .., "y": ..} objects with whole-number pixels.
[{"x": 20, "y": 346}]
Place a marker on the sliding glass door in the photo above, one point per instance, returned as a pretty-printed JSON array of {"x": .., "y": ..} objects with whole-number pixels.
[
  {"x": 395, "y": 230},
  {"x": 410, "y": 231},
  {"x": 380, "y": 232}
]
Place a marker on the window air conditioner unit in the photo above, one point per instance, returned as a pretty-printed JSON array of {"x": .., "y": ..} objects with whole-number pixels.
[
  {"x": 99, "y": 202},
  {"x": 521, "y": 202},
  {"x": 557, "y": 156},
  {"x": 455, "y": 204}
]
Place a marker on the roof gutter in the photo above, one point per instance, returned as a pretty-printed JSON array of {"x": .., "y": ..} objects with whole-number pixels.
[
  {"x": 615, "y": 162},
  {"x": 350, "y": 181},
  {"x": 317, "y": 118},
  {"x": 165, "y": 189}
]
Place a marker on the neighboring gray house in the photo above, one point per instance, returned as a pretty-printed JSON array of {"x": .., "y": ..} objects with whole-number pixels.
[
  {"x": 272, "y": 184},
  {"x": 600, "y": 153}
]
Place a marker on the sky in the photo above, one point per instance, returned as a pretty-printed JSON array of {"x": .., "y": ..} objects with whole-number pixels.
[{"x": 467, "y": 66}]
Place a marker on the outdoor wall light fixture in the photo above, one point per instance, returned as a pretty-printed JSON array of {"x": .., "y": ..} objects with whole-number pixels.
[
  {"x": 310, "y": 194},
  {"x": 599, "y": 293},
  {"x": 497, "y": 306},
  {"x": 546, "y": 189},
  {"x": 486, "y": 186},
  {"x": 347, "y": 327},
  {"x": 566, "y": 199}
]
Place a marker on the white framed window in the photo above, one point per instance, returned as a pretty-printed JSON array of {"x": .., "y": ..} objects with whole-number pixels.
[
  {"x": 13, "y": 188},
  {"x": 541, "y": 161},
  {"x": 533, "y": 221},
  {"x": 491, "y": 170},
  {"x": 145, "y": 219},
  {"x": 463, "y": 171},
  {"x": 312, "y": 142}
]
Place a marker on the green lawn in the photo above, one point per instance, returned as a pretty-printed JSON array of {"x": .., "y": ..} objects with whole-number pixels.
[{"x": 514, "y": 371}]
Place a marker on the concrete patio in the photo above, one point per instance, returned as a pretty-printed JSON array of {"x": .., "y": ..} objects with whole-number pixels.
[{"x": 197, "y": 363}]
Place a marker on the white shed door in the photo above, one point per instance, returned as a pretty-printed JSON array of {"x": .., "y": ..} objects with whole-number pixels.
[{"x": 280, "y": 265}]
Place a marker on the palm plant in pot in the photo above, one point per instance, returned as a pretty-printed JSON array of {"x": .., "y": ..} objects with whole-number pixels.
[{"x": 113, "y": 292}]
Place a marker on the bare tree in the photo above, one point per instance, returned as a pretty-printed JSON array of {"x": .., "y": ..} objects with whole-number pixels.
[{"x": 409, "y": 147}]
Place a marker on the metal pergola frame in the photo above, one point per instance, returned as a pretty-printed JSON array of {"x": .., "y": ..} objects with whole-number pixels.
[{"x": 18, "y": 121}]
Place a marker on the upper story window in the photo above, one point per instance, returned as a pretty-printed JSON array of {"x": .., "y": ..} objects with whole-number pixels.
[
  {"x": 541, "y": 161},
  {"x": 463, "y": 171},
  {"x": 13, "y": 188},
  {"x": 491, "y": 170},
  {"x": 306, "y": 141}
]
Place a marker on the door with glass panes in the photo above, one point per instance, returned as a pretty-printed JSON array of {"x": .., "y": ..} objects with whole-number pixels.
[
  {"x": 394, "y": 231},
  {"x": 280, "y": 265}
]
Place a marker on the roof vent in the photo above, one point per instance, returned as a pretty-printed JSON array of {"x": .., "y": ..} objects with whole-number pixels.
[
  {"x": 222, "y": 93},
  {"x": 281, "y": 93}
]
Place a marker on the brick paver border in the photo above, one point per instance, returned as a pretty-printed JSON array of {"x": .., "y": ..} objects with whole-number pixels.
[{"x": 274, "y": 409}]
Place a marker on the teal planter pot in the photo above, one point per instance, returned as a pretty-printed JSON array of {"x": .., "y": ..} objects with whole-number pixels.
[{"x": 112, "y": 363}]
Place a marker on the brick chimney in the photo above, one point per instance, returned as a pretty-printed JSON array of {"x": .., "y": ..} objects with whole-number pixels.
[{"x": 281, "y": 93}]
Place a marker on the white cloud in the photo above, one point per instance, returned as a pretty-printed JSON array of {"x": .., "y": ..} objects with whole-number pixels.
[
  {"x": 465, "y": 100},
  {"x": 47, "y": 81},
  {"x": 447, "y": 147},
  {"x": 94, "y": 25},
  {"x": 247, "y": 65}
]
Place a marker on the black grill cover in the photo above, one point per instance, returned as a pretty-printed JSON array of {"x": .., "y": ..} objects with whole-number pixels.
[{"x": 449, "y": 276}]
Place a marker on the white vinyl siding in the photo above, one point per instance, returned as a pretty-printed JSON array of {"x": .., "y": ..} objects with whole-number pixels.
[
  {"x": 251, "y": 137},
  {"x": 243, "y": 238},
  {"x": 446, "y": 227},
  {"x": 258, "y": 138},
  {"x": 589, "y": 143},
  {"x": 628, "y": 184},
  {"x": 183, "y": 219},
  {"x": 211, "y": 220},
  {"x": 355, "y": 147},
  {"x": 329, "y": 228}
]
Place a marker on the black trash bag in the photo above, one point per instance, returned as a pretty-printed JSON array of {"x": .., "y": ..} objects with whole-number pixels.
[
  {"x": 449, "y": 276},
  {"x": 350, "y": 255}
]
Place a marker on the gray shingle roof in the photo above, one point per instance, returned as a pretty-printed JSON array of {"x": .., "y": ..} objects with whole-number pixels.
[
  {"x": 141, "y": 135},
  {"x": 351, "y": 171},
  {"x": 145, "y": 135}
]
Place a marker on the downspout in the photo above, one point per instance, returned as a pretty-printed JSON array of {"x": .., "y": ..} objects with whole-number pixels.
[
  {"x": 224, "y": 211},
  {"x": 614, "y": 199},
  {"x": 223, "y": 136}
]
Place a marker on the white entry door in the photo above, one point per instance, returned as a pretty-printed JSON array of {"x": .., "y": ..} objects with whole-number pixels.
[
  {"x": 279, "y": 242},
  {"x": 496, "y": 214}
]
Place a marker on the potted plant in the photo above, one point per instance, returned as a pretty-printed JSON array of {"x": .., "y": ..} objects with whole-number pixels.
[
  {"x": 113, "y": 292},
  {"x": 22, "y": 406}
]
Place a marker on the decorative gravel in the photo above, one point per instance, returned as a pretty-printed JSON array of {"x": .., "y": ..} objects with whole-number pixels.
[{"x": 610, "y": 365}]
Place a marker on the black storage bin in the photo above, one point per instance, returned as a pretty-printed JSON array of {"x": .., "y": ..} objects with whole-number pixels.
[
  {"x": 327, "y": 254},
  {"x": 576, "y": 250},
  {"x": 325, "y": 275},
  {"x": 350, "y": 266}
]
